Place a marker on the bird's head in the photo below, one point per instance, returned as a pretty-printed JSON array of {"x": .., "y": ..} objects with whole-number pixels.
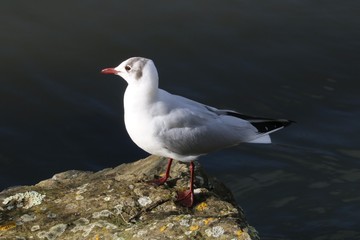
[{"x": 136, "y": 70}]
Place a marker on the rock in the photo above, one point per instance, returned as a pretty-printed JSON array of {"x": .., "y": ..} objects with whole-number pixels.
[{"x": 119, "y": 204}]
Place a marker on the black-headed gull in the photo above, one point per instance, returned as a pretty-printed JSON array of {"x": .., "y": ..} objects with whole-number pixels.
[{"x": 178, "y": 128}]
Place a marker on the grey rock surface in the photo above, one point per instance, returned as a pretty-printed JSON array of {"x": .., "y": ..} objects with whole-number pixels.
[{"x": 119, "y": 203}]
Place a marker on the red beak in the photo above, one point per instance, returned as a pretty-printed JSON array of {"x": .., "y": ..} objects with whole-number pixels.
[{"x": 109, "y": 71}]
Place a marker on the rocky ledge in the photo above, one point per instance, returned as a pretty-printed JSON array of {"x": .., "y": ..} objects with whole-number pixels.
[{"x": 119, "y": 203}]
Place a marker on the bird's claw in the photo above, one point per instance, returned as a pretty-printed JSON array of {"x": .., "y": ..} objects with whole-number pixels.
[
  {"x": 158, "y": 181},
  {"x": 186, "y": 198}
]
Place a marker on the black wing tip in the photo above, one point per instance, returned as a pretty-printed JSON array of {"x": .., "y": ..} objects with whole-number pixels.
[
  {"x": 280, "y": 123},
  {"x": 263, "y": 125},
  {"x": 286, "y": 122}
]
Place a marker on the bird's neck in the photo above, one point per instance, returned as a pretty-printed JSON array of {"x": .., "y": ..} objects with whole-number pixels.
[{"x": 139, "y": 97}]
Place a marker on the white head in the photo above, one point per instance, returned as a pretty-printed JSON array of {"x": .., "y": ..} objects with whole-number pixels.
[{"x": 136, "y": 71}]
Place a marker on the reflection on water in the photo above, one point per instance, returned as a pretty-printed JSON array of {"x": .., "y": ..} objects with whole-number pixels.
[{"x": 289, "y": 59}]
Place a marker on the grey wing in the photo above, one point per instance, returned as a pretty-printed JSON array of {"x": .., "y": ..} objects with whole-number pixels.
[
  {"x": 199, "y": 129},
  {"x": 192, "y": 128}
]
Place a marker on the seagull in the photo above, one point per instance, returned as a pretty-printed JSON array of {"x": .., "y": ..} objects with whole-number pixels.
[{"x": 176, "y": 127}]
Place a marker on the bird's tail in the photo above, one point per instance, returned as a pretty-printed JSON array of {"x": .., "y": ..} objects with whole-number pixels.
[{"x": 264, "y": 126}]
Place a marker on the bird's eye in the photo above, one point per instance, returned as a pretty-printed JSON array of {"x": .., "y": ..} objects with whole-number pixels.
[{"x": 127, "y": 68}]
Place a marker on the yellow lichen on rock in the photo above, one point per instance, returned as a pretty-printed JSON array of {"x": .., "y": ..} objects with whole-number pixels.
[
  {"x": 201, "y": 206},
  {"x": 239, "y": 233},
  {"x": 163, "y": 228},
  {"x": 194, "y": 227},
  {"x": 208, "y": 220},
  {"x": 7, "y": 226}
]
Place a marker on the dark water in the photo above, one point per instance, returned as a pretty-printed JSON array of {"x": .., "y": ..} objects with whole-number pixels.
[{"x": 288, "y": 59}]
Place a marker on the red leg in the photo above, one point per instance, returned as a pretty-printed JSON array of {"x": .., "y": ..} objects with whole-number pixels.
[
  {"x": 162, "y": 180},
  {"x": 186, "y": 198}
]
